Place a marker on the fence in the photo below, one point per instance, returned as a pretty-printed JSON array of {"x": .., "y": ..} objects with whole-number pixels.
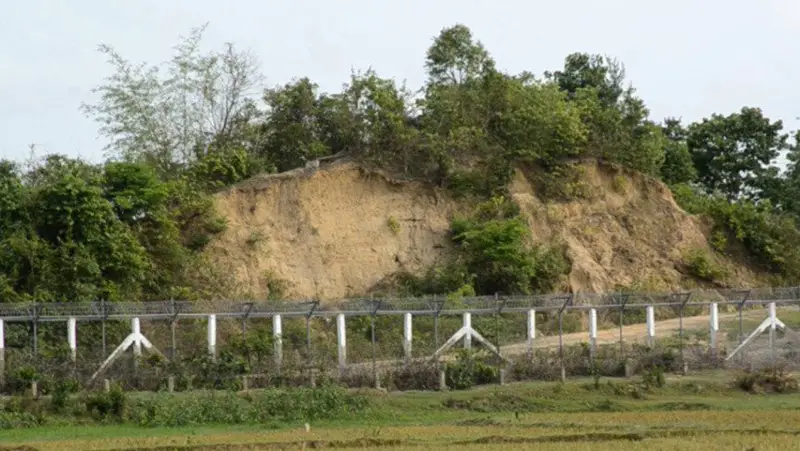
[{"x": 545, "y": 336}]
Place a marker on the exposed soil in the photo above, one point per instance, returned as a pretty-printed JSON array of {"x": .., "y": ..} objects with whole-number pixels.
[{"x": 339, "y": 231}]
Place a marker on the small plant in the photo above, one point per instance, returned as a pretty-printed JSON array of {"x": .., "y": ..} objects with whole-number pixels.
[
  {"x": 595, "y": 373},
  {"x": 719, "y": 242},
  {"x": 768, "y": 380},
  {"x": 256, "y": 237},
  {"x": 110, "y": 406},
  {"x": 654, "y": 377},
  {"x": 620, "y": 183},
  {"x": 469, "y": 371},
  {"x": 703, "y": 265},
  {"x": 61, "y": 393},
  {"x": 277, "y": 288},
  {"x": 393, "y": 224}
]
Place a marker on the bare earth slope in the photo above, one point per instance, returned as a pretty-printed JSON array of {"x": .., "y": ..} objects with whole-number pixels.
[
  {"x": 338, "y": 231},
  {"x": 330, "y": 233},
  {"x": 630, "y": 231}
]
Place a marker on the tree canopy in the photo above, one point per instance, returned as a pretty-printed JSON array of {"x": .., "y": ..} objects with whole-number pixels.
[{"x": 133, "y": 226}]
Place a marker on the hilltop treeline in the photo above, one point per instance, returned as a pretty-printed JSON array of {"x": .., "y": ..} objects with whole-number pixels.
[{"x": 134, "y": 226}]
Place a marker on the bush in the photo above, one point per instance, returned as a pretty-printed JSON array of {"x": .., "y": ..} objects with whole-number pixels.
[
  {"x": 111, "y": 406},
  {"x": 703, "y": 265},
  {"x": 545, "y": 364},
  {"x": 495, "y": 251},
  {"x": 766, "y": 234},
  {"x": 767, "y": 380},
  {"x": 265, "y": 407},
  {"x": 61, "y": 393},
  {"x": 416, "y": 377},
  {"x": 469, "y": 370}
]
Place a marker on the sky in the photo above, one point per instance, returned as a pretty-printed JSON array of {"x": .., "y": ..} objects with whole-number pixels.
[{"x": 686, "y": 59}]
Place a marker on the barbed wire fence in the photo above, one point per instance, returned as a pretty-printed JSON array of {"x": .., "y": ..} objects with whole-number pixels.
[{"x": 392, "y": 342}]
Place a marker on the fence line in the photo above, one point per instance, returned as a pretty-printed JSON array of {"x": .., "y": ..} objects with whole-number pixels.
[
  {"x": 433, "y": 305},
  {"x": 556, "y": 307}
]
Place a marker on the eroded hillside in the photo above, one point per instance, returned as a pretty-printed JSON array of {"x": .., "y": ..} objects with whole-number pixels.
[
  {"x": 330, "y": 233},
  {"x": 628, "y": 233},
  {"x": 340, "y": 230}
]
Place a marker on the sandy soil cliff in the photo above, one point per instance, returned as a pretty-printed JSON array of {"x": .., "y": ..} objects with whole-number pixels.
[{"x": 337, "y": 231}]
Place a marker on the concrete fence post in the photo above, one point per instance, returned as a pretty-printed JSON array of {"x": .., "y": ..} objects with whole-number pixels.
[
  {"x": 341, "y": 339},
  {"x": 407, "y": 336}
]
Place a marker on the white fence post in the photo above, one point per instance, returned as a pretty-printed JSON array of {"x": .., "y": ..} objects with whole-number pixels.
[
  {"x": 277, "y": 336},
  {"x": 407, "y": 336},
  {"x": 531, "y": 330},
  {"x": 72, "y": 338},
  {"x": 593, "y": 332},
  {"x": 341, "y": 338},
  {"x": 212, "y": 337},
  {"x": 651, "y": 326},
  {"x": 713, "y": 326},
  {"x": 136, "y": 328}
]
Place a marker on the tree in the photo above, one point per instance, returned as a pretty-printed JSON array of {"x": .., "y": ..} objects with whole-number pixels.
[
  {"x": 11, "y": 197},
  {"x": 295, "y": 127},
  {"x": 678, "y": 167},
  {"x": 167, "y": 114},
  {"x": 87, "y": 250},
  {"x": 539, "y": 124},
  {"x": 456, "y": 58},
  {"x": 733, "y": 154},
  {"x": 582, "y": 70},
  {"x": 619, "y": 127}
]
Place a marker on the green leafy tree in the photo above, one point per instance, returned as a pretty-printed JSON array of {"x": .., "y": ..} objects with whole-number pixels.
[
  {"x": 604, "y": 74},
  {"x": 456, "y": 57},
  {"x": 297, "y": 127},
  {"x": 90, "y": 250},
  {"x": 678, "y": 167},
  {"x": 618, "y": 121},
  {"x": 539, "y": 124},
  {"x": 733, "y": 154}
]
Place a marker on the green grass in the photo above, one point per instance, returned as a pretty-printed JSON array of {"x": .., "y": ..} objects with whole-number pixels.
[{"x": 704, "y": 401}]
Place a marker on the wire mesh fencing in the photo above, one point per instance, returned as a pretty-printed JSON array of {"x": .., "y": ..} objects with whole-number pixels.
[{"x": 419, "y": 343}]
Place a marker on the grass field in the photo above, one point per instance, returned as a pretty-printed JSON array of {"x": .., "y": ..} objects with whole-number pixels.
[{"x": 691, "y": 413}]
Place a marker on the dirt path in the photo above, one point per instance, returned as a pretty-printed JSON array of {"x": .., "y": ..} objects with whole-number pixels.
[
  {"x": 630, "y": 333},
  {"x": 633, "y": 332}
]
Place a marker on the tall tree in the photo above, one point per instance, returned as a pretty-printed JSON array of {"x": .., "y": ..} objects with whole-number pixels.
[
  {"x": 295, "y": 127},
  {"x": 678, "y": 166},
  {"x": 582, "y": 70},
  {"x": 733, "y": 154},
  {"x": 455, "y": 57},
  {"x": 167, "y": 114}
]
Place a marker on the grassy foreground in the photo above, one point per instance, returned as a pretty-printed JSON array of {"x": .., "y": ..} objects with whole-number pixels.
[{"x": 702, "y": 412}]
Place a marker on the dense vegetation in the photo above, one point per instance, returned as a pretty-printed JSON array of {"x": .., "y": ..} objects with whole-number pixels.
[{"x": 132, "y": 228}]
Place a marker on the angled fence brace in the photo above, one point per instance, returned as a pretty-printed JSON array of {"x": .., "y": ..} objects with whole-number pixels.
[
  {"x": 135, "y": 339},
  {"x": 771, "y": 323},
  {"x": 463, "y": 333}
]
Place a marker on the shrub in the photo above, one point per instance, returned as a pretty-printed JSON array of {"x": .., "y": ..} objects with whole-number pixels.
[
  {"x": 265, "y": 407},
  {"x": 495, "y": 250},
  {"x": 766, "y": 234},
  {"x": 61, "y": 393},
  {"x": 767, "y": 380},
  {"x": 468, "y": 371},
  {"x": 703, "y": 265},
  {"x": 111, "y": 406},
  {"x": 415, "y": 377}
]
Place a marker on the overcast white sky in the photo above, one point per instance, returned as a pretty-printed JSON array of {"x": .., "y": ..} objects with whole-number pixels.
[{"x": 686, "y": 58}]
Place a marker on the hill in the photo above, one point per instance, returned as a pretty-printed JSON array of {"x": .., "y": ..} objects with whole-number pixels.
[
  {"x": 508, "y": 195},
  {"x": 341, "y": 230}
]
